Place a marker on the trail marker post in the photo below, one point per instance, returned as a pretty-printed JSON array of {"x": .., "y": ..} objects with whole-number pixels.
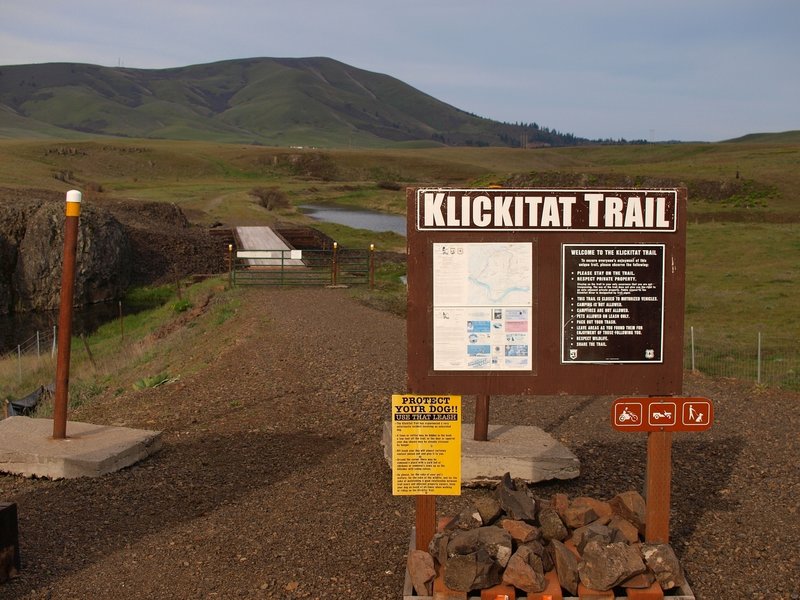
[{"x": 73, "y": 213}]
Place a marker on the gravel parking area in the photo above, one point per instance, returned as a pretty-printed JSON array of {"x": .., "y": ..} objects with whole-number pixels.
[{"x": 272, "y": 482}]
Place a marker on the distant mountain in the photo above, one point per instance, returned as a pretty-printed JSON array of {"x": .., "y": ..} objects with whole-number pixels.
[
  {"x": 783, "y": 137},
  {"x": 275, "y": 101}
]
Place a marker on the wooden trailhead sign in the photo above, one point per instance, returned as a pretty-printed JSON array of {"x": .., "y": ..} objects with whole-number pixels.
[
  {"x": 550, "y": 291},
  {"x": 546, "y": 291}
]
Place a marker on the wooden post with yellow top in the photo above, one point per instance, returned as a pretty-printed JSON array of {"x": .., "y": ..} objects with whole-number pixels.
[{"x": 73, "y": 213}]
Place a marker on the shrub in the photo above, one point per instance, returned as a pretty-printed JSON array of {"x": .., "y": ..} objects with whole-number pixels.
[
  {"x": 389, "y": 185},
  {"x": 270, "y": 197}
]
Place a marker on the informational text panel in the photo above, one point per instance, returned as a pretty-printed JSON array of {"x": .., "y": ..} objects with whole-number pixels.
[{"x": 613, "y": 303}]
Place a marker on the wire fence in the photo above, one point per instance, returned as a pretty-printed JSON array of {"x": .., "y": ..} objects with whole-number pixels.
[
  {"x": 26, "y": 359},
  {"x": 41, "y": 343},
  {"x": 766, "y": 359}
]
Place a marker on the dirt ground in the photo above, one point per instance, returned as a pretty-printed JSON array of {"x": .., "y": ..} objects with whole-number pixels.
[{"x": 272, "y": 482}]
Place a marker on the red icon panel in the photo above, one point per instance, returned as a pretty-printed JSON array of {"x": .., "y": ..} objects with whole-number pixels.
[{"x": 662, "y": 413}]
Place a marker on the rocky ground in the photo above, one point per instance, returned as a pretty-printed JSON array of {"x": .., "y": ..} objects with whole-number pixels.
[{"x": 272, "y": 483}]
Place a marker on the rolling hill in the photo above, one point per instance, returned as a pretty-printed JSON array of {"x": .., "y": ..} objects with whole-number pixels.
[{"x": 273, "y": 101}]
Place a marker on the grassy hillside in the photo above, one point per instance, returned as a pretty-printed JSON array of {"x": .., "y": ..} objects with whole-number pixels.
[{"x": 275, "y": 101}]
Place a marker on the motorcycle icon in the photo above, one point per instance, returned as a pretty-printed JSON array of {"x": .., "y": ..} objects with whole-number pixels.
[{"x": 627, "y": 415}]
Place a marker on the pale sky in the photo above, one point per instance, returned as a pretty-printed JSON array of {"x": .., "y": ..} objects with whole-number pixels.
[{"x": 639, "y": 69}]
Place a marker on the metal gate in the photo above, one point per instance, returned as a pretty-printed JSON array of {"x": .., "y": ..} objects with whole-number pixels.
[{"x": 302, "y": 267}]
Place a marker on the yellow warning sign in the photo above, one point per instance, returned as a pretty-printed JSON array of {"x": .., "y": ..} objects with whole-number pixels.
[{"x": 426, "y": 445}]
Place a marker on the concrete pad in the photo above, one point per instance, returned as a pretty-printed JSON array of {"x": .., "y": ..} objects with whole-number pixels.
[
  {"x": 527, "y": 452},
  {"x": 27, "y": 448}
]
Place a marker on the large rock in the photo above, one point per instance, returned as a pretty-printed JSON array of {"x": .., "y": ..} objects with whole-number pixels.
[
  {"x": 661, "y": 559},
  {"x": 516, "y": 501},
  {"x": 566, "y": 565},
  {"x": 31, "y": 256},
  {"x": 469, "y": 518},
  {"x": 525, "y": 571},
  {"x": 551, "y": 525},
  {"x": 119, "y": 242},
  {"x": 421, "y": 571},
  {"x": 594, "y": 531},
  {"x": 460, "y": 571},
  {"x": 630, "y": 506},
  {"x": 495, "y": 541},
  {"x": 465, "y": 572},
  {"x": 520, "y": 530},
  {"x": 602, "y": 566},
  {"x": 488, "y": 508},
  {"x": 624, "y": 530},
  {"x": 102, "y": 261}
]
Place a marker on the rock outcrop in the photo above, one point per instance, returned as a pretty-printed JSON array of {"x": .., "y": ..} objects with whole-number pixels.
[
  {"x": 31, "y": 256},
  {"x": 102, "y": 266},
  {"x": 120, "y": 242}
]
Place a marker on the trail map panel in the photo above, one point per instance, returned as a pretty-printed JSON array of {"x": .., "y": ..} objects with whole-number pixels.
[
  {"x": 482, "y": 303},
  {"x": 612, "y": 303}
]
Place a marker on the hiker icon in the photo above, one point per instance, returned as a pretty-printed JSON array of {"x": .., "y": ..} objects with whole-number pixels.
[{"x": 698, "y": 413}]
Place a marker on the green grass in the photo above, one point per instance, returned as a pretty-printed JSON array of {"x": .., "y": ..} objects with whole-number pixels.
[
  {"x": 143, "y": 341},
  {"x": 743, "y": 274}
]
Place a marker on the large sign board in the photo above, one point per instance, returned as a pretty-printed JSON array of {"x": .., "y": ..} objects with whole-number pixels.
[{"x": 542, "y": 291}]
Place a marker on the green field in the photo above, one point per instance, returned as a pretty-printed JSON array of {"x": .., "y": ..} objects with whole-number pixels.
[{"x": 743, "y": 262}]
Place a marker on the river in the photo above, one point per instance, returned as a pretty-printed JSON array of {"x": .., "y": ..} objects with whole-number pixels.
[
  {"x": 358, "y": 218},
  {"x": 21, "y": 328}
]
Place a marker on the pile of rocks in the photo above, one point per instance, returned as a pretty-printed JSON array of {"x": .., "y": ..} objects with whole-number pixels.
[{"x": 512, "y": 538}]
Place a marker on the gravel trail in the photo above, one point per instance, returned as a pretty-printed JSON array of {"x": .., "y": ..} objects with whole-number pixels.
[{"x": 272, "y": 482}]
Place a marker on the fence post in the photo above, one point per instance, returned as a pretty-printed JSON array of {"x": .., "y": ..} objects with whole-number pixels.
[
  {"x": 53, "y": 349},
  {"x": 38, "y": 348},
  {"x": 333, "y": 263},
  {"x": 19, "y": 363},
  {"x": 758, "y": 360},
  {"x": 694, "y": 369},
  {"x": 230, "y": 266},
  {"x": 372, "y": 266}
]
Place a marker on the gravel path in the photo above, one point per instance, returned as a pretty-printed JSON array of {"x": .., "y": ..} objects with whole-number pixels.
[{"x": 272, "y": 482}]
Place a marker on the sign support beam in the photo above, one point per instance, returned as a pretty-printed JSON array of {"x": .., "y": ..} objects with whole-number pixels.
[
  {"x": 425, "y": 521},
  {"x": 658, "y": 479},
  {"x": 481, "y": 432}
]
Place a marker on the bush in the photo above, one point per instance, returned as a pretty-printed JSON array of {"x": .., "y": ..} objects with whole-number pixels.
[
  {"x": 270, "y": 198},
  {"x": 181, "y": 306},
  {"x": 390, "y": 185}
]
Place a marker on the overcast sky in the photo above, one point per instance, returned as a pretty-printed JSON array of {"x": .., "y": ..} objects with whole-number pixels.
[{"x": 639, "y": 69}]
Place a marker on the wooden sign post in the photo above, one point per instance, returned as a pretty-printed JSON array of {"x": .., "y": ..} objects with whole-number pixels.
[{"x": 660, "y": 417}]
